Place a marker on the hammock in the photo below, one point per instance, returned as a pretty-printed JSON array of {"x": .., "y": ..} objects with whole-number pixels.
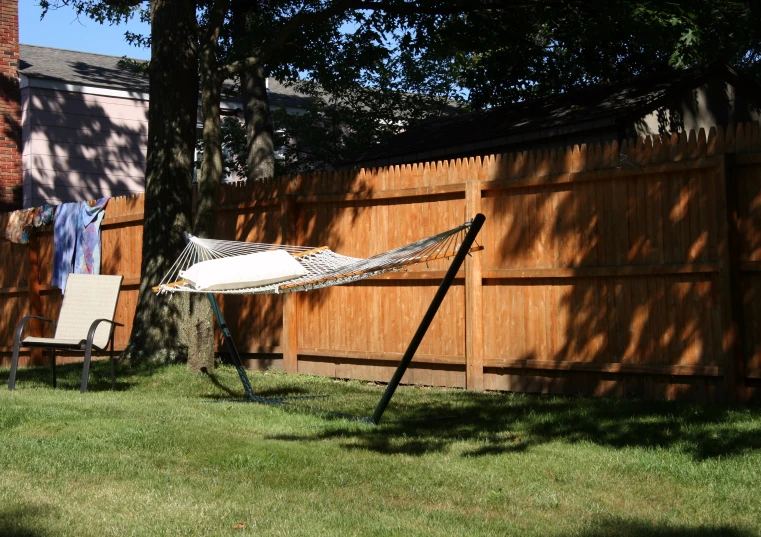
[
  {"x": 208, "y": 260},
  {"x": 205, "y": 266}
]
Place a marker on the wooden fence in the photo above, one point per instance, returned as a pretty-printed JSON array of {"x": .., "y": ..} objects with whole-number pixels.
[{"x": 631, "y": 270}]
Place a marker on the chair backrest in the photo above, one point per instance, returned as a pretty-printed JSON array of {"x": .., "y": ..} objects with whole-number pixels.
[{"x": 88, "y": 297}]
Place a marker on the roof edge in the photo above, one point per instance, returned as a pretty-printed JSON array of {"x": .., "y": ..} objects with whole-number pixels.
[{"x": 60, "y": 85}]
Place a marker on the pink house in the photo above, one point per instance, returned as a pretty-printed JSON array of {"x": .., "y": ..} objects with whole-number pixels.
[
  {"x": 84, "y": 126},
  {"x": 74, "y": 125}
]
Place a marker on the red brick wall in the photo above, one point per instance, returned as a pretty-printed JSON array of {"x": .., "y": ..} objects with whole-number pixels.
[{"x": 10, "y": 108}]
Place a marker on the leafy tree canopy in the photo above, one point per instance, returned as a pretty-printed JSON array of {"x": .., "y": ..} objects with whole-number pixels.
[
  {"x": 375, "y": 67},
  {"x": 500, "y": 57}
]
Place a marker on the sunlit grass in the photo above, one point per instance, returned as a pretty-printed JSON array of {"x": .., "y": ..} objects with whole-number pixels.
[{"x": 173, "y": 453}]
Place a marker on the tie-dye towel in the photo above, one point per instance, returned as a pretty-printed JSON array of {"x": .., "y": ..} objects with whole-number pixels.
[
  {"x": 87, "y": 257},
  {"x": 44, "y": 216},
  {"x": 19, "y": 223}
]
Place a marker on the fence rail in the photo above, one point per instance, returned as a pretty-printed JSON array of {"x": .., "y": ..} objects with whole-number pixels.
[{"x": 600, "y": 275}]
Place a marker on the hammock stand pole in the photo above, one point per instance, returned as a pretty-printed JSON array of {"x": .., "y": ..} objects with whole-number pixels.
[
  {"x": 231, "y": 349},
  {"x": 449, "y": 277}
]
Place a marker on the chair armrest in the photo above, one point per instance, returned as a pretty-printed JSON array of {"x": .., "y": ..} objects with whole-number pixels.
[
  {"x": 22, "y": 324},
  {"x": 94, "y": 327}
]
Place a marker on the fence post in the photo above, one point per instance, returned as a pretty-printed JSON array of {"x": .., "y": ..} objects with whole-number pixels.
[
  {"x": 474, "y": 311},
  {"x": 289, "y": 336},
  {"x": 35, "y": 302},
  {"x": 730, "y": 289}
]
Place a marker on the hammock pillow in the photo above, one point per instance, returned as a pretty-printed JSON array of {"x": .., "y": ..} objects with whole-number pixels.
[{"x": 244, "y": 271}]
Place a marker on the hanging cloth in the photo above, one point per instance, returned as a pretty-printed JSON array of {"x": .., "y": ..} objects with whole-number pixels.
[
  {"x": 64, "y": 242},
  {"x": 19, "y": 223},
  {"x": 87, "y": 253},
  {"x": 44, "y": 216}
]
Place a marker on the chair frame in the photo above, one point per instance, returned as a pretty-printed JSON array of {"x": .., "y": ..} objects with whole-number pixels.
[{"x": 85, "y": 345}]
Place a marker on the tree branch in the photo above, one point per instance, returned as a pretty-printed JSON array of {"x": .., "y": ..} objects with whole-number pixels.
[
  {"x": 123, "y": 3},
  {"x": 216, "y": 19},
  {"x": 406, "y": 8},
  {"x": 446, "y": 8},
  {"x": 293, "y": 24}
]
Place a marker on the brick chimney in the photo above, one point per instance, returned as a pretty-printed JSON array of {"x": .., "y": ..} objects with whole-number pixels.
[{"x": 10, "y": 109}]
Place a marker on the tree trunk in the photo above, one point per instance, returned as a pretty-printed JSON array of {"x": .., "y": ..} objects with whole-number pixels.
[
  {"x": 201, "y": 334},
  {"x": 260, "y": 159},
  {"x": 260, "y": 154},
  {"x": 157, "y": 334}
]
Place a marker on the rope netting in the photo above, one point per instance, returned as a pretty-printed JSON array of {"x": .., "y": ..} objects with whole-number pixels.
[{"x": 324, "y": 268}]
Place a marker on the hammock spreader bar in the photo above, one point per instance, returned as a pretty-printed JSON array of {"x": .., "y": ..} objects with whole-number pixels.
[{"x": 465, "y": 247}]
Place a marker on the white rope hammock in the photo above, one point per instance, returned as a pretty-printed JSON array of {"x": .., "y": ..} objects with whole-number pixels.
[{"x": 319, "y": 267}]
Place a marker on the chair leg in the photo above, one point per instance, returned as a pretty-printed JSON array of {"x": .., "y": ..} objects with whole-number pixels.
[
  {"x": 14, "y": 363},
  {"x": 86, "y": 367},
  {"x": 113, "y": 365},
  {"x": 52, "y": 365}
]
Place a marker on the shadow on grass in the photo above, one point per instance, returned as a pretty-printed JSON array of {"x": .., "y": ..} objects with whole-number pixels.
[
  {"x": 69, "y": 376},
  {"x": 636, "y": 528},
  {"x": 284, "y": 392},
  {"x": 507, "y": 423},
  {"x": 420, "y": 421},
  {"x": 215, "y": 381},
  {"x": 21, "y": 522}
]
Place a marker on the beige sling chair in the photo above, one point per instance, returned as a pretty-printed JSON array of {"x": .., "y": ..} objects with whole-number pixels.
[{"x": 85, "y": 322}]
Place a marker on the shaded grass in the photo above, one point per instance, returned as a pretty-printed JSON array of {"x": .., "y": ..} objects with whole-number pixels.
[{"x": 172, "y": 453}]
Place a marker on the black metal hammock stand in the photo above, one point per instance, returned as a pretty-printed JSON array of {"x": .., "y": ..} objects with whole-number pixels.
[{"x": 230, "y": 267}]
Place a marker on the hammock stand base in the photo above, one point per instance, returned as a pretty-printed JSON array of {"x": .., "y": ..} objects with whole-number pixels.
[{"x": 404, "y": 363}]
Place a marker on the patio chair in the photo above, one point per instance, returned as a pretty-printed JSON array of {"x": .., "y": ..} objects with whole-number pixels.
[{"x": 85, "y": 322}]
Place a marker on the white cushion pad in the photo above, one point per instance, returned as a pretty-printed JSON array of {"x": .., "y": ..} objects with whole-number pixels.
[{"x": 244, "y": 271}]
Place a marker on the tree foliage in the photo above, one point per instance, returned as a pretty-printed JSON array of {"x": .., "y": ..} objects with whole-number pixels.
[
  {"x": 412, "y": 60},
  {"x": 501, "y": 57}
]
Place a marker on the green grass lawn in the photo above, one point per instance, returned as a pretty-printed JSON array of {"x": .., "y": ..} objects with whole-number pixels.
[{"x": 168, "y": 453}]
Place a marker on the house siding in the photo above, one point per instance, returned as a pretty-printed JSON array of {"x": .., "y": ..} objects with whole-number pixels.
[
  {"x": 82, "y": 146},
  {"x": 26, "y": 146},
  {"x": 715, "y": 103}
]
